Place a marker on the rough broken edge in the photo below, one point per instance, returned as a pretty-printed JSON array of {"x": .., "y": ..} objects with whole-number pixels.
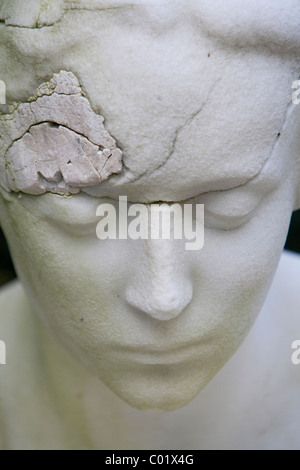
[{"x": 21, "y": 117}]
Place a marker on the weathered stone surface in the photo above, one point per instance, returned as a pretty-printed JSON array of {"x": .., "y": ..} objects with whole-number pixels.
[
  {"x": 55, "y": 142},
  {"x": 31, "y": 13}
]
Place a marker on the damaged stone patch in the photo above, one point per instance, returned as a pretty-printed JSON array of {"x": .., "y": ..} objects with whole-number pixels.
[{"x": 56, "y": 143}]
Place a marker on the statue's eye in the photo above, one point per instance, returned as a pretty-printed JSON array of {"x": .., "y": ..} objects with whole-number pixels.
[
  {"x": 75, "y": 215},
  {"x": 228, "y": 210},
  {"x": 226, "y": 222}
]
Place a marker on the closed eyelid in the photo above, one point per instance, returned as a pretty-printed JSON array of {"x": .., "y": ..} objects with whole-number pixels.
[
  {"x": 242, "y": 199},
  {"x": 231, "y": 214},
  {"x": 230, "y": 205},
  {"x": 56, "y": 209}
]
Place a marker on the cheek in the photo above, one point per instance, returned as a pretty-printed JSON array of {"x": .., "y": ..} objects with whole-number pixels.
[
  {"x": 234, "y": 270},
  {"x": 54, "y": 266},
  {"x": 69, "y": 280}
]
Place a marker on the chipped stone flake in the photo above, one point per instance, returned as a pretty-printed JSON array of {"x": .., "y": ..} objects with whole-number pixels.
[{"x": 55, "y": 142}]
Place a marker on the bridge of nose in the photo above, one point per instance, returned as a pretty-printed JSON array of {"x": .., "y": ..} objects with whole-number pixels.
[{"x": 161, "y": 287}]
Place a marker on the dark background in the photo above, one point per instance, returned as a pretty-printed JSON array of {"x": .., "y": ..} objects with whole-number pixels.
[{"x": 7, "y": 271}]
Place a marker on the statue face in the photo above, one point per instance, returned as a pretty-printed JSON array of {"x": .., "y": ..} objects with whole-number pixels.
[{"x": 198, "y": 118}]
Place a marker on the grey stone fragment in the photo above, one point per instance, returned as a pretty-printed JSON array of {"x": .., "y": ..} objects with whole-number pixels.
[{"x": 55, "y": 142}]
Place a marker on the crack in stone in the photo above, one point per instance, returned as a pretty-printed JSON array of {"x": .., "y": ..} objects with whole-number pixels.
[
  {"x": 65, "y": 9},
  {"x": 59, "y": 125},
  {"x": 11, "y": 108},
  {"x": 249, "y": 181},
  {"x": 231, "y": 188},
  {"x": 285, "y": 117},
  {"x": 128, "y": 169},
  {"x": 178, "y": 132},
  {"x": 31, "y": 28},
  {"x": 100, "y": 9}
]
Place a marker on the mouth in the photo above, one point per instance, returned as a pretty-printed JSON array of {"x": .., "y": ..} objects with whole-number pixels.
[{"x": 182, "y": 353}]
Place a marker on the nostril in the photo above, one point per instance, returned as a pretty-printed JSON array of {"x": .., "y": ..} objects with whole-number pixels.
[{"x": 161, "y": 304}]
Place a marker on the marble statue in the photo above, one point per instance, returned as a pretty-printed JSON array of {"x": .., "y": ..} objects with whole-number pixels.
[{"x": 110, "y": 342}]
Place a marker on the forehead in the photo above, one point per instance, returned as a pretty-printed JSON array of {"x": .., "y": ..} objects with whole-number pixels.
[
  {"x": 192, "y": 93},
  {"x": 231, "y": 18}
]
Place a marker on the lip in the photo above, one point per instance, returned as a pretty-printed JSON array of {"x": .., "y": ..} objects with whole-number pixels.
[{"x": 175, "y": 355}]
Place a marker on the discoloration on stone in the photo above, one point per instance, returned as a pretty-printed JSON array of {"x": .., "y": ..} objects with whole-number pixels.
[{"x": 55, "y": 142}]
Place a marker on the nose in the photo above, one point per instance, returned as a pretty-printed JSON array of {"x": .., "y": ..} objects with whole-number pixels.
[{"x": 160, "y": 286}]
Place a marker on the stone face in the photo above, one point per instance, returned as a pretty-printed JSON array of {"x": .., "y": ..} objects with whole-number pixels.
[
  {"x": 198, "y": 94},
  {"x": 55, "y": 142}
]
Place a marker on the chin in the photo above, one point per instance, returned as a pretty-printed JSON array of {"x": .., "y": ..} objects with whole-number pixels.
[
  {"x": 169, "y": 402},
  {"x": 163, "y": 388}
]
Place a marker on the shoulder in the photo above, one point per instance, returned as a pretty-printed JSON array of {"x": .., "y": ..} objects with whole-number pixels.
[
  {"x": 289, "y": 270},
  {"x": 278, "y": 324},
  {"x": 17, "y": 374},
  {"x": 13, "y": 305},
  {"x": 8, "y": 295},
  {"x": 283, "y": 302},
  {"x": 17, "y": 321},
  {"x": 10, "y": 298},
  {"x": 261, "y": 379}
]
